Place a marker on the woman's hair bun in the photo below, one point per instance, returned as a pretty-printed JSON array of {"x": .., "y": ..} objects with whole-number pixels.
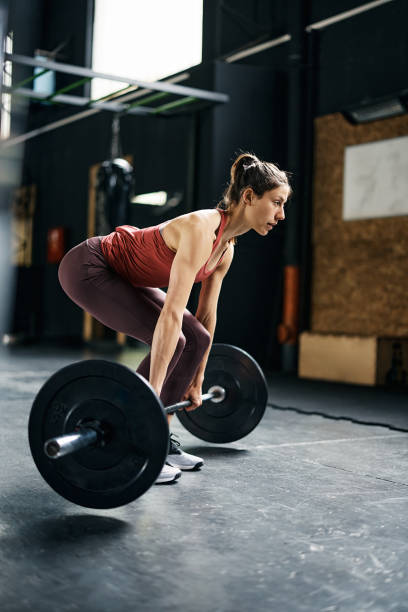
[{"x": 242, "y": 163}]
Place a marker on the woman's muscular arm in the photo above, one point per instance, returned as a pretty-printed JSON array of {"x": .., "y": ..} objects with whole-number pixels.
[
  {"x": 194, "y": 247},
  {"x": 207, "y": 315}
]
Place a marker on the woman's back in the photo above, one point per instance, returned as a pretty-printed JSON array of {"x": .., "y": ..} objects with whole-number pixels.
[{"x": 145, "y": 256}]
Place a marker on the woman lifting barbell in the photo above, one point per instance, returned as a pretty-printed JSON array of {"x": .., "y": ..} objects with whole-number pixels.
[{"x": 117, "y": 279}]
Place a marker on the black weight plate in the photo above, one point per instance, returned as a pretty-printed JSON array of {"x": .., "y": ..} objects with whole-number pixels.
[
  {"x": 245, "y": 402},
  {"x": 122, "y": 470}
]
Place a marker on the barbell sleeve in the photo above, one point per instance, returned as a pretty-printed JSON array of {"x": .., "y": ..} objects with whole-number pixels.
[
  {"x": 216, "y": 394},
  {"x": 70, "y": 443}
]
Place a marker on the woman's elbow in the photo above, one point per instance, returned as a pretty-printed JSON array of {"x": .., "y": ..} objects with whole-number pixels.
[{"x": 172, "y": 315}]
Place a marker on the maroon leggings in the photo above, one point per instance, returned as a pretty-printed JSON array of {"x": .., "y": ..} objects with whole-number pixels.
[{"x": 88, "y": 280}]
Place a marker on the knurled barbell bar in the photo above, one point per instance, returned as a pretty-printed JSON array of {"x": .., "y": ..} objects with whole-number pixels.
[{"x": 108, "y": 428}]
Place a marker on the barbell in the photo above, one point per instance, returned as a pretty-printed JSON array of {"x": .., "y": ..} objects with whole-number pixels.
[{"x": 98, "y": 431}]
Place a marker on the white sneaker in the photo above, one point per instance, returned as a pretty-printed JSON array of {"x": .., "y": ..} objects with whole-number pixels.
[
  {"x": 168, "y": 474},
  {"x": 181, "y": 460}
]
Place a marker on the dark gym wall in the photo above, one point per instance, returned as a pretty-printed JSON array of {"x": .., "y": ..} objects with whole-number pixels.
[
  {"x": 235, "y": 24},
  {"x": 362, "y": 57},
  {"x": 24, "y": 24},
  {"x": 358, "y": 59}
]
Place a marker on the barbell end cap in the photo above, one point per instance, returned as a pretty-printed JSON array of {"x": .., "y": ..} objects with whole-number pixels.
[
  {"x": 51, "y": 449},
  {"x": 219, "y": 394}
]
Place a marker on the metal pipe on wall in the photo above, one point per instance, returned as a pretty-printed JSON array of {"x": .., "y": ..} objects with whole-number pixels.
[
  {"x": 297, "y": 97},
  {"x": 7, "y": 172}
]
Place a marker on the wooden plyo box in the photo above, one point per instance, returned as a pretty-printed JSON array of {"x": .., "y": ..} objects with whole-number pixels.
[{"x": 364, "y": 360}]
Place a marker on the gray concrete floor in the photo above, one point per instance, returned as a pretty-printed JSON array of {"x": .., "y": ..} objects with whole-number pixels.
[
  {"x": 360, "y": 403},
  {"x": 305, "y": 514}
]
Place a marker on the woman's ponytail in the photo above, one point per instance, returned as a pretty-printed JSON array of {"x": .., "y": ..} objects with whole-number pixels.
[{"x": 249, "y": 171}]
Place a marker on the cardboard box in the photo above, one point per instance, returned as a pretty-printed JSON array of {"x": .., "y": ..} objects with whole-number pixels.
[{"x": 364, "y": 360}]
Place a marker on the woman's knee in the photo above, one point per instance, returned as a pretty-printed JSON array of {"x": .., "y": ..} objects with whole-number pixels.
[
  {"x": 197, "y": 335},
  {"x": 70, "y": 272}
]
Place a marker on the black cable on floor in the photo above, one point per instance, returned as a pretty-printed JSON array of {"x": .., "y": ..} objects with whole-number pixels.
[{"x": 337, "y": 418}]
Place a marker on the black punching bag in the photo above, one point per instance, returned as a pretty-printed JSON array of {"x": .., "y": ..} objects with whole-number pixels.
[{"x": 114, "y": 189}]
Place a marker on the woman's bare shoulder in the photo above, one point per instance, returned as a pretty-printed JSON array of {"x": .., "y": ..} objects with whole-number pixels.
[
  {"x": 204, "y": 220},
  {"x": 203, "y": 223},
  {"x": 206, "y": 216}
]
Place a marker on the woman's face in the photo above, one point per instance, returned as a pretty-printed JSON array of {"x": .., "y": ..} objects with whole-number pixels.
[{"x": 268, "y": 210}]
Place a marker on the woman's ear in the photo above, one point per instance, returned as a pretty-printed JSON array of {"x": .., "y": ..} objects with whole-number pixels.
[{"x": 247, "y": 196}]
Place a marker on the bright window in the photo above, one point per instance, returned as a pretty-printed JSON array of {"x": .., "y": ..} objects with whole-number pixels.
[
  {"x": 158, "y": 198},
  {"x": 6, "y": 98},
  {"x": 144, "y": 39}
]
